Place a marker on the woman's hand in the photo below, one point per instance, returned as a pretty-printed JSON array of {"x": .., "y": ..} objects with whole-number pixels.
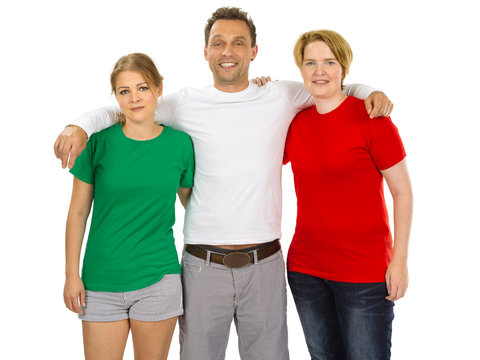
[
  {"x": 74, "y": 294},
  {"x": 396, "y": 278}
]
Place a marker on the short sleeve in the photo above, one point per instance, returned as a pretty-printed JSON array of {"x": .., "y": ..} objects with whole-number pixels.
[
  {"x": 385, "y": 144},
  {"x": 186, "y": 180},
  {"x": 83, "y": 168}
]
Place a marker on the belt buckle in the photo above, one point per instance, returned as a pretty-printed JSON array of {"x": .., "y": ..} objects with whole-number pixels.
[{"x": 236, "y": 259}]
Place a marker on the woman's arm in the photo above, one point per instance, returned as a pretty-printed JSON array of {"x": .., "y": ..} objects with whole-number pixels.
[
  {"x": 184, "y": 195},
  {"x": 74, "y": 292},
  {"x": 396, "y": 275}
]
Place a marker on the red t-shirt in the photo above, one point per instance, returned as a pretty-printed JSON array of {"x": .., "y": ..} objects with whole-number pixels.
[{"x": 342, "y": 231}]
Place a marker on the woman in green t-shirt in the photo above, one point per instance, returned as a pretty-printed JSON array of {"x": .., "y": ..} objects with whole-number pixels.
[{"x": 130, "y": 276}]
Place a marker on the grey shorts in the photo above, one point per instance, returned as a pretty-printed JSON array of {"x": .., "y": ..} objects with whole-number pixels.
[{"x": 160, "y": 301}]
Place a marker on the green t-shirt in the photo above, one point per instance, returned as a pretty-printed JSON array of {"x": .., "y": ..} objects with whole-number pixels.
[{"x": 130, "y": 244}]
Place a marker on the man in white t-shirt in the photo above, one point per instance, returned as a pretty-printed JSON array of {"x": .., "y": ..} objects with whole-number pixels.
[{"x": 232, "y": 264}]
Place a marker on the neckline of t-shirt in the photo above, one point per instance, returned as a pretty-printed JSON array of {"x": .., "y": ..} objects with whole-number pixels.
[
  {"x": 339, "y": 108},
  {"x": 231, "y": 95},
  {"x": 133, "y": 141}
]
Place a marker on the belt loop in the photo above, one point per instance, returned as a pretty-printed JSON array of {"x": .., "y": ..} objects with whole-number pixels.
[
  {"x": 255, "y": 257},
  {"x": 208, "y": 258}
]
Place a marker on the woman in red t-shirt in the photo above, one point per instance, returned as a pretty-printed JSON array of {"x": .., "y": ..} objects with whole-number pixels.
[{"x": 343, "y": 270}]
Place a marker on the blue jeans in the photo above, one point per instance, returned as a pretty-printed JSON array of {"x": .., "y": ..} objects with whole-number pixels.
[{"x": 343, "y": 320}]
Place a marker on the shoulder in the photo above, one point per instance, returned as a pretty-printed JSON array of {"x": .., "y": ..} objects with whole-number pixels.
[
  {"x": 189, "y": 92},
  {"x": 287, "y": 84},
  {"x": 354, "y": 109},
  {"x": 356, "y": 104},
  {"x": 105, "y": 133},
  {"x": 173, "y": 99},
  {"x": 177, "y": 135},
  {"x": 287, "y": 87},
  {"x": 305, "y": 114}
]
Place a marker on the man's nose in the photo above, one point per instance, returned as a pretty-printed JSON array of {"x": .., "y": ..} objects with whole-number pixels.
[{"x": 227, "y": 50}]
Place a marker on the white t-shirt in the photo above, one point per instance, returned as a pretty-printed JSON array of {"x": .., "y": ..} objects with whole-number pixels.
[{"x": 238, "y": 140}]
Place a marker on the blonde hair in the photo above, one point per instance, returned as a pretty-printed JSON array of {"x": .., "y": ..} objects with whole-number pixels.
[
  {"x": 337, "y": 44},
  {"x": 140, "y": 63}
]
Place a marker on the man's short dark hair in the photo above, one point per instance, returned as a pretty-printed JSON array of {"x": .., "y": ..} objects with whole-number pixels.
[{"x": 231, "y": 13}]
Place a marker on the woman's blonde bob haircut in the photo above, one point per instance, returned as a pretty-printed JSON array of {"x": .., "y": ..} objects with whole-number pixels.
[{"x": 337, "y": 44}]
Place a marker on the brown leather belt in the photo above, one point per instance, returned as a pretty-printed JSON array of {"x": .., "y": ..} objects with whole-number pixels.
[{"x": 235, "y": 259}]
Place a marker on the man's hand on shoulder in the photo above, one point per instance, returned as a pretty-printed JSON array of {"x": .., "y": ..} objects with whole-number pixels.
[
  {"x": 378, "y": 104},
  {"x": 261, "y": 80},
  {"x": 71, "y": 141}
]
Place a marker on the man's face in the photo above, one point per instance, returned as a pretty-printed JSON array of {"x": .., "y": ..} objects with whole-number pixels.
[{"x": 229, "y": 52}]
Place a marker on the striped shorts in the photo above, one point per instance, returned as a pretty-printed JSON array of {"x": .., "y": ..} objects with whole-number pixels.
[{"x": 160, "y": 301}]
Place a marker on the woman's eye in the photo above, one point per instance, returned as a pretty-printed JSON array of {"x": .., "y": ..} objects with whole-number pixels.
[
  {"x": 123, "y": 92},
  {"x": 143, "y": 88},
  {"x": 309, "y": 63}
]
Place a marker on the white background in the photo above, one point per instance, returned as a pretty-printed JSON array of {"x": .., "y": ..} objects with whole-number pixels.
[{"x": 56, "y": 57}]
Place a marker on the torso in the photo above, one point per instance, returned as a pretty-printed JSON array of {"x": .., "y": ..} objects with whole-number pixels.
[
  {"x": 342, "y": 230},
  {"x": 239, "y": 140}
]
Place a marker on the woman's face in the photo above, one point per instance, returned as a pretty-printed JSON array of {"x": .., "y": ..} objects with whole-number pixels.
[
  {"x": 321, "y": 72},
  {"x": 136, "y": 99}
]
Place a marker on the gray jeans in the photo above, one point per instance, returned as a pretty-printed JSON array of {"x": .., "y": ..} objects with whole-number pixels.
[{"x": 254, "y": 296}]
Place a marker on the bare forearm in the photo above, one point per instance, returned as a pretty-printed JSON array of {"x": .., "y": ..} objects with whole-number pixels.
[
  {"x": 73, "y": 242},
  {"x": 82, "y": 195},
  {"x": 402, "y": 208}
]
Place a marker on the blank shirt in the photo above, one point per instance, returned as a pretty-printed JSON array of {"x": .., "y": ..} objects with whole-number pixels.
[
  {"x": 342, "y": 231},
  {"x": 239, "y": 140},
  {"x": 130, "y": 243}
]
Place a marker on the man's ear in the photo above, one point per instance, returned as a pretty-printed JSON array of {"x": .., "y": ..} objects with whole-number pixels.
[{"x": 254, "y": 52}]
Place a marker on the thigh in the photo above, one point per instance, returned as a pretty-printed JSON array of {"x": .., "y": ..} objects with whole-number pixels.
[
  {"x": 160, "y": 301},
  {"x": 366, "y": 319},
  {"x": 261, "y": 309},
  {"x": 104, "y": 306},
  {"x": 151, "y": 339},
  {"x": 208, "y": 309},
  {"x": 316, "y": 308},
  {"x": 105, "y": 340}
]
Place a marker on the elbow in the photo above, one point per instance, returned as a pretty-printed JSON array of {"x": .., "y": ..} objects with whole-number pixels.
[
  {"x": 405, "y": 198},
  {"x": 80, "y": 214}
]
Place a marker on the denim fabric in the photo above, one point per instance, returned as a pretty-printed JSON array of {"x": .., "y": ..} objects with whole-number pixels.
[{"x": 343, "y": 320}]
